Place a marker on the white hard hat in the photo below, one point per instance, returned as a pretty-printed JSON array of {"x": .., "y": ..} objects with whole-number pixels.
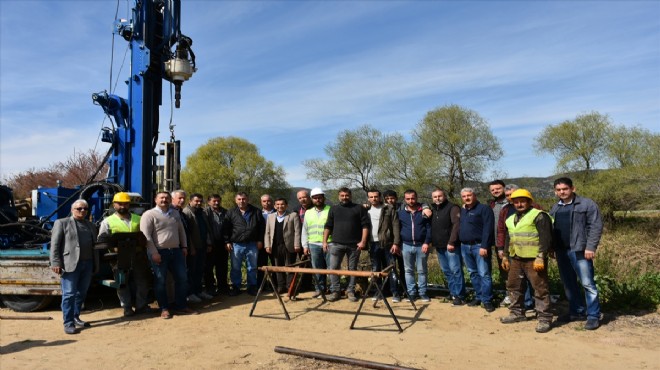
[{"x": 316, "y": 191}]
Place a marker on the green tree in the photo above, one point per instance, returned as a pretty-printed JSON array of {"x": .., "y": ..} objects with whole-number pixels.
[
  {"x": 354, "y": 159},
  {"x": 632, "y": 146},
  {"x": 227, "y": 165},
  {"x": 457, "y": 146},
  {"x": 577, "y": 144}
]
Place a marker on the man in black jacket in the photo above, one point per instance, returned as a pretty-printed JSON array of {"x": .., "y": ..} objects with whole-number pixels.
[
  {"x": 244, "y": 235},
  {"x": 444, "y": 234},
  {"x": 215, "y": 273}
]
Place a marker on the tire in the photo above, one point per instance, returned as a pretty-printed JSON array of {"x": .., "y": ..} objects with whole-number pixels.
[{"x": 26, "y": 303}]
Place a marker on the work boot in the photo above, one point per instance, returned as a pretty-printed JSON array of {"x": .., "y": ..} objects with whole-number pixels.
[
  {"x": 592, "y": 324},
  {"x": 489, "y": 307},
  {"x": 543, "y": 327},
  {"x": 512, "y": 318},
  {"x": 334, "y": 296},
  {"x": 70, "y": 330},
  {"x": 474, "y": 303},
  {"x": 351, "y": 296},
  {"x": 80, "y": 324}
]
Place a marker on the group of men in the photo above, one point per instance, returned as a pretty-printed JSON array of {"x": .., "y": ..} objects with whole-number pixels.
[{"x": 188, "y": 247}]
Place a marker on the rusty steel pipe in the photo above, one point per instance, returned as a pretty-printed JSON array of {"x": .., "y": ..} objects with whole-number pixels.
[
  {"x": 303, "y": 270},
  {"x": 340, "y": 359},
  {"x": 3, "y": 317}
]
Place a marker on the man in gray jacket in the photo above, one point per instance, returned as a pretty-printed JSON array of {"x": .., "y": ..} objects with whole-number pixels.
[
  {"x": 72, "y": 257},
  {"x": 577, "y": 229}
]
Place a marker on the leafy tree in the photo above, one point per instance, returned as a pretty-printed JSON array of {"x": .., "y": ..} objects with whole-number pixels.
[
  {"x": 229, "y": 165},
  {"x": 577, "y": 144},
  {"x": 457, "y": 146},
  {"x": 632, "y": 146},
  {"x": 355, "y": 159},
  {"x": 80, "y": 168}
]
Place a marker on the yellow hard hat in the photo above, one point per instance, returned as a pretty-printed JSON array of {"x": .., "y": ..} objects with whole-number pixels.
[
  {"x": 522, "y": 193},
  {"x": 121, "y": 198}
]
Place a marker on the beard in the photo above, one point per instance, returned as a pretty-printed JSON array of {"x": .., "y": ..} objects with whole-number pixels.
[{"x": 122, "y": 211}]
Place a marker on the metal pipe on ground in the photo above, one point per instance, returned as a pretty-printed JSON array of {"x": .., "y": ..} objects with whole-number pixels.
[
  {"x": 340, "y": 359},
  {"x": 321, "y": 271}
]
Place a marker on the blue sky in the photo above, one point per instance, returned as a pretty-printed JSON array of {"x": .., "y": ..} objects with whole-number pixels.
[{"x": 289, "y": 75}]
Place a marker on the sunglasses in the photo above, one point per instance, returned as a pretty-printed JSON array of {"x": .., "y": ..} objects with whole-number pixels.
[{"x": 81, "y": 209}]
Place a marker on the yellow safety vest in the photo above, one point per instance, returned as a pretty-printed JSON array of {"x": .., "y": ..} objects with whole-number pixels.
[
  {"x": 117, "y": 225},
  {"x": 315, "y": 222},
  {"x": 523, "y": 237}
]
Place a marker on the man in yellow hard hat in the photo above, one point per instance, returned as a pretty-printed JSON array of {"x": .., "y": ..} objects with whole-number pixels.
[
  {"x": 528, "y": 240},
  {"x": 138, "y": 278}
]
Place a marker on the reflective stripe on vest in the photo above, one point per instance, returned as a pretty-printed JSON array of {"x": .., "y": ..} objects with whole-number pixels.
[
  {"x": 523, "y": 237},
  {"x": 315, "y": 222},
  {"x": 117, "y": 225}
]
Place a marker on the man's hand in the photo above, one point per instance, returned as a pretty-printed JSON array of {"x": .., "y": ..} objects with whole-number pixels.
[
  {"x": 394, "y": 249},
  {"x": 155, "y": 258},
  {"x": 427, "y": 212},
  {"x": 425, "y": 248},
  {"x": 361, "y": 245},
  {"x": 505, "y": 264},
  {"x": 500, "y": 254},
  {"x": 260, "y": 245},
  {"x": 296, "y": 249},
  {"x": 185, "y": 252},
  {"x": 193, "y": 251},
  {"x": 539, "y": 264},
  {"x": 450, "y": 248},
  {"x": 228, "y": 247},
  {"x": 56, "y": 269},
  {"x": 306, "y": 252},
  {"x": 483, "y": 252},
  {"x": 269, "y": 250},
  {"x": 589, "y": 255},
  {"x": 325, "y": 247}
]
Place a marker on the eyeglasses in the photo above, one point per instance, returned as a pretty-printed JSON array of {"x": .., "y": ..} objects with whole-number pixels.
[{"x": 81, "y": 209}]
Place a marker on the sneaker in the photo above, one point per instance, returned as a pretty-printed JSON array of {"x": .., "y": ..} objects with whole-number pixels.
[
  {"x": 317, "y": 294},
  {"x": 165, "y": 314},
  {"x": 543, "y": 327},
  {"x": 194, "y": 299},
  {"x": 592, "y": 324},
  {"x": 506, "y": 301},
  {"x": 489, "y": 307},
  {"x": 334, "y": 296},
  {"x": 396, "y": 299},
  {"x": 70, "y": 330},
  {"x": 206, "y": 296},
  {"x": 351, "y": 296},
  {"x": 474, "y": 303},
  {"x": 424, "y": 298},
  {"x": 81, "y": 324},
  {"x": 411, "y": 298},
  {"x": 377, "y": 297},
  {"x": 570, "y": 318},
  {"x": 457, "y": 302},
  {"x": 512, "y": 318}
]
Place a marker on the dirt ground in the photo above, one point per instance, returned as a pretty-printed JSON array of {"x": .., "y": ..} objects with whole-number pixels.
[{"x": 223, "y": 336}]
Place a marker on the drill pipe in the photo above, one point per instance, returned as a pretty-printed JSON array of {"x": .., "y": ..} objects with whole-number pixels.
[{"x": 340, "y": 359}]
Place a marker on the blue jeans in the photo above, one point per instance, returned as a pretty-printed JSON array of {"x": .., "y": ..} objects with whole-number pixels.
[
  {"x": 572, "y": 265},
  {"x": 415, "y": 259},
  {"x": 320, "y": 260},
  {"x": 244, "y": 251},
  {"x": 170, "y": 260},
  {"x": 452, "y": 267},
  {"x": 380, "y": 259},
  {"x": 74, "y": 290},
  {"x": 479, "y": 269},
  {"x": 337, "y": 252}
]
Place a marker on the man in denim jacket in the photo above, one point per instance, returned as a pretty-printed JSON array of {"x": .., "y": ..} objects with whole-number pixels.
[{"x": 577, "y": 229}]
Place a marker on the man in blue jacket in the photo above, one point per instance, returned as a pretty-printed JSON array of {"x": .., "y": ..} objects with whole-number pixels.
[
  {"x": 476, "y": 232},
  {"x": 577, "y": 229},
  {"x": 415, "y": 237}
]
